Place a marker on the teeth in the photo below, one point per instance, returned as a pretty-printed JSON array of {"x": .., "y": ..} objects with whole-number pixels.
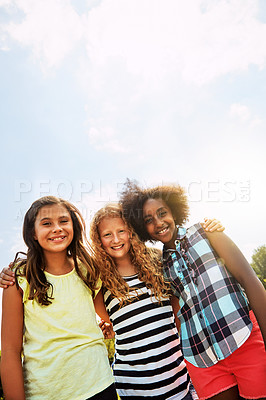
[
  {"x": 117, "y": 247},
  {"x": 162, "y": 231},
  {"x": 57, "y": 239}
]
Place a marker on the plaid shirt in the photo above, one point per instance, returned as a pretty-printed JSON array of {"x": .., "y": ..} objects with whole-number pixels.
[{"x": 214, "y": 312}]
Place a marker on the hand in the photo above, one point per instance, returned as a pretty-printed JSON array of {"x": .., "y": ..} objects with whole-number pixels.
[
  {"x": 211, "y": 225},
  {"x": 107, "y": 329},
  {"x": 7, "y": 277}
]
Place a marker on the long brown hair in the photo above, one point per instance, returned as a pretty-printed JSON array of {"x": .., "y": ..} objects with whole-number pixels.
[
  {"x": 146, "y": 260},
  {"x": 33, "y": 266}
]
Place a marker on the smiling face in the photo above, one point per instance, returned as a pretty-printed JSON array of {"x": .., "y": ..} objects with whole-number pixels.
[
  {"x": 159, "y": 222},
  {"x": 53, "y": 228},
  {"x": 115, "y": 238}
]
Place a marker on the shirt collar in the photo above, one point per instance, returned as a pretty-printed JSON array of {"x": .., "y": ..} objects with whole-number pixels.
[{"x": 181, "y": 233}]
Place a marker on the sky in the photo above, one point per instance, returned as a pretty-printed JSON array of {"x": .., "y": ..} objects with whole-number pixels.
[{"x": 161, "y": 91}]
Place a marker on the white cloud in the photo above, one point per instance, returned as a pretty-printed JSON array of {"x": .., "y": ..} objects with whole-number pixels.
[
  {"x": 241, "y": 111},
  {"x": 17, "y": 242},
  {"x": 104, "y": 139},
  {"x": 244, "y": 115},
  {"x": 50, "y": 28},
  {"x": 158, "y": 38},
  {"x": 197, "y": 41},
  {"x": 5, "y": 3}
]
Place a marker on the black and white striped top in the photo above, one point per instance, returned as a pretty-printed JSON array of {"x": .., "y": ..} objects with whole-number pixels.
[{"x": 148, "y": 359}]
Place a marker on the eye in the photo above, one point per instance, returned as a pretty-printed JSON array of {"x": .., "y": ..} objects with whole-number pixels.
[
  {"x": 64, "y": 221},
  {"x": 46, "y": 223},
  {"x": 162, "y": 214},
  {"x": 122, "y": 230},
  {"x": 106, "y": 234},
  {"x": 148, "y": 221}
]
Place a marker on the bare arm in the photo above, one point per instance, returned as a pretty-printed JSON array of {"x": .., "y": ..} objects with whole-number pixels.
[
  {"x": 238, "y": 266},
  {"x": 11, "y": 347},
  {"x": 105, "y": 323},
  {"x": 7, "y": 278},
  {"x": 176, "y": 307},
  {"x": 100, "y": 307}
]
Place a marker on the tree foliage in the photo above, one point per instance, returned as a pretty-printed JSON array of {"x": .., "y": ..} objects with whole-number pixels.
[
  {"x": 110, "y": 345},
  {"x": 259, "y": 263}
]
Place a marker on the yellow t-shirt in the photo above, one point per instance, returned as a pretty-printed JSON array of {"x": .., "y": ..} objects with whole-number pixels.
[{"x": 64, "y": 353}]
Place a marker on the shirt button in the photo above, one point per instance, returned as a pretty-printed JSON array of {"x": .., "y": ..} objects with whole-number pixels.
[{"x": 200, "y": 315}]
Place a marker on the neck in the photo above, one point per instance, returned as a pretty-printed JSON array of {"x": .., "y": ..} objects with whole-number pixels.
[
  {"x": 171, "y": 244},
  {"x": 58, "y": 264},
  {"x": 125, "y": 267}
]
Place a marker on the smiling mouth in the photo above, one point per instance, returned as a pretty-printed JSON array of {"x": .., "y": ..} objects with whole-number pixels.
[
  {"x": 58, "y": 239},
  {"x": 162, "y": 231},
  {"x": 117, "y": 247}
]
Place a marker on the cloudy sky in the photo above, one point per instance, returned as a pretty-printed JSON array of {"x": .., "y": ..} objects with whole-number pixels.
[{"x": 93, "y": 92}]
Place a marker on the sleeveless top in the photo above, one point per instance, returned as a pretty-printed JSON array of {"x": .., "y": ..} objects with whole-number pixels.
[
  {"x": 148, "y": 360},
  {"x": 64, "y": 355},
  {"x": 214, "y": 312}
]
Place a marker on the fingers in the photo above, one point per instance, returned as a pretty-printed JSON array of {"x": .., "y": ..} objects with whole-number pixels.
[
  {"x": 7, "y": 272},
  {"x": 107, "y": 329},
  {"x": 211, "y": 225},
  {"x": 7, "y": 278}
]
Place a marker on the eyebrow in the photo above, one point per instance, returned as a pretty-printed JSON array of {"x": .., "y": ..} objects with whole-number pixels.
[
  {"x": 158, "y": 210},
  {"x": 61, "y": 216}
]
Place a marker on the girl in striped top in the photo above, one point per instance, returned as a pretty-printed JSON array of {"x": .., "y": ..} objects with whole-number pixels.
[{"x": 148, "y": 361}]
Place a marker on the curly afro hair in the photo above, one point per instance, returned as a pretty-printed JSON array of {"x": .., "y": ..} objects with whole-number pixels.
[{"x": 133, "y": 197}]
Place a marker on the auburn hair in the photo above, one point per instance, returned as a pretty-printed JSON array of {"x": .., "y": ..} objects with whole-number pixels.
[{"x": 147, "y": 261}]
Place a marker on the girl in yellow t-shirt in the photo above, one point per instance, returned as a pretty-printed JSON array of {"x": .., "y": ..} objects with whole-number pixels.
[{"x": 49, "y": 316}]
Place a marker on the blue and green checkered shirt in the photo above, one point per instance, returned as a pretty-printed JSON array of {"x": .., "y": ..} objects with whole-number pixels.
[{"x": 214, "y": 311}]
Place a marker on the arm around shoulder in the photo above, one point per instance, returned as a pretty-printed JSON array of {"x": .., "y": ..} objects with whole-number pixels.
[
  {"x": 239, "y": 267},
  {"x": 176, "y": 307},
  {"x": 11, "y": 344},
  {"x": 100, "y": 307}
]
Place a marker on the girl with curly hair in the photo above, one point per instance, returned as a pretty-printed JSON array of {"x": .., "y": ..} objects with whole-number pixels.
[
  {"x": 220, "y": 337},
  {"x": 148, "y": 360},
  {"x": 48, "y": 315}
]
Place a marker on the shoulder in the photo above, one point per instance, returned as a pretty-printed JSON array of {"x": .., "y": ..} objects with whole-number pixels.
[
  {"x": 194, "y": 230},
  {"x": 83, "y": 270},
  {"x": 20, "y": 276}
]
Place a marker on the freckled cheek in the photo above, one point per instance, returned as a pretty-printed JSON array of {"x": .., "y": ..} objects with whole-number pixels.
[{"x": 105, "y": 243}]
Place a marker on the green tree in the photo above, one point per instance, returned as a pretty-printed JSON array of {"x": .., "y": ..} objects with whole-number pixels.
[
  {"x": 259, "y": 263},
  {"x": 110, "y": 345}
]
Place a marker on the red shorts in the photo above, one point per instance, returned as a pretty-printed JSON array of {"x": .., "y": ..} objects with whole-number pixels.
[{"x": 245, "y": 367}]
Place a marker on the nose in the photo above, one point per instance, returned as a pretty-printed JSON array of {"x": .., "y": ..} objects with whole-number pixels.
[
  {"x": 115, "y": 238},
  {"x": 157, "y": 221},
  {"x": 57, "y": 228}
]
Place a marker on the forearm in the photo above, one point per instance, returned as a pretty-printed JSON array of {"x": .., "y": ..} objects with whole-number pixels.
[
  {"x": 257, "y": 300},
  {"x": 176, "y": 307},
  {"x": 239, "y": 267},
  {"x": 11, "y": 344},
  {"x": 12, "y": 376},
  {"x": 100, "y": 307}
]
